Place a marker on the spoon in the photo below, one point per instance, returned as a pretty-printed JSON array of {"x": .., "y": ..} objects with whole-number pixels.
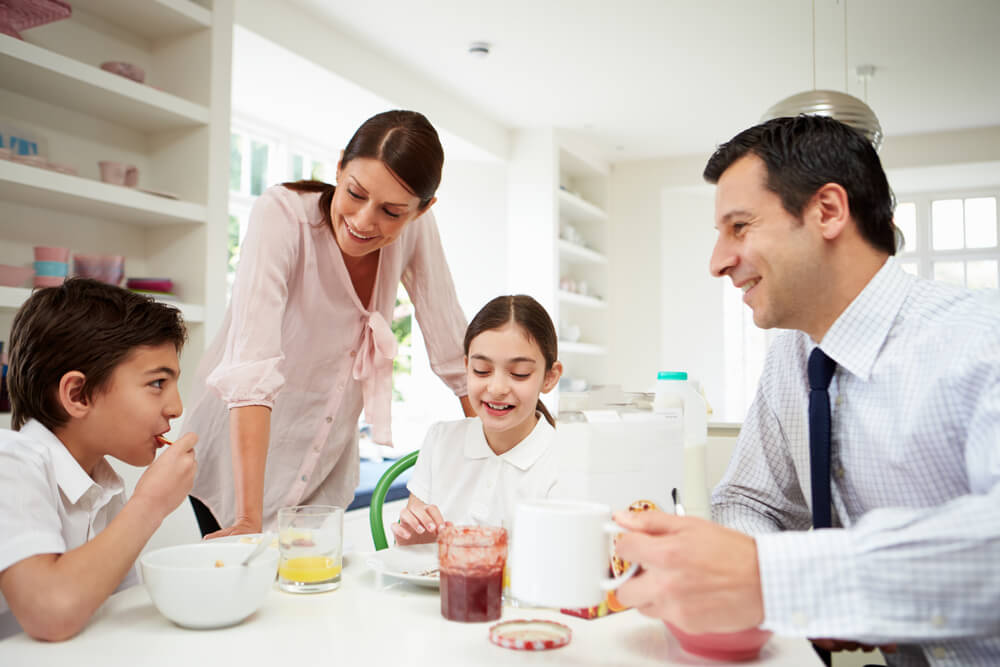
[
  {"x": 265, "y": 542},
  {"x": 678, "y": 508}
]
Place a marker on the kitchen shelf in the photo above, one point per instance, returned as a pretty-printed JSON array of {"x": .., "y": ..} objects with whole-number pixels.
[
  {"x": 51, "y": 77},
  {"x": 581, "y": 300},
  {"x": 49, "y": 189},
  {"x": 582, "y": 348},
  {"x": 154, "y": 19},
  {"x": 577, "y": 208},
  {"x": 575, "y": 252},
  {"x": 11, "y": 298}
]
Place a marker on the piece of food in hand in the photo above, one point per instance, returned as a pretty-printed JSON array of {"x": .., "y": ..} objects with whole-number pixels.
[
  {"x": 161, "y": 441},
  {"x": 619, "y": 566}
]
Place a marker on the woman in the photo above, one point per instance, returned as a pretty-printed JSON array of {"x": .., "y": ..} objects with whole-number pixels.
[{"x": 306, "y": 342}]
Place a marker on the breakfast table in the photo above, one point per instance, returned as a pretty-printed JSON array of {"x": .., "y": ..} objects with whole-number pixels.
[{"x": 372, "y": 619}]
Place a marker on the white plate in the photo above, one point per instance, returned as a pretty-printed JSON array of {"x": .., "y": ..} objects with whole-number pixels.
[{"x": 417, "y": 564}]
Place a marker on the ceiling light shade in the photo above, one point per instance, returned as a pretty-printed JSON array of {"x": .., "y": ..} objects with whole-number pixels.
[{"x": 839, "y": 106}]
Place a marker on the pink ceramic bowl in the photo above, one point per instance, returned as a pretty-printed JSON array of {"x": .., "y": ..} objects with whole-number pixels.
[
  {"x": 127, "y": 70},
  {"x": 47, "y": 253},
  {"x": 14, "y": 276},
  {"x": 49, "y": 281},
  {"x": 106, "y": 268},
  {"x": 743, "y": 645}
]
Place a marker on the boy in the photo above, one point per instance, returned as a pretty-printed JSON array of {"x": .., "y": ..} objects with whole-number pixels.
[{"x": 93, "y": 373}]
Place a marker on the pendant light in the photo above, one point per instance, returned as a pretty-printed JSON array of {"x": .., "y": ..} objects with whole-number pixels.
[{"x": 837, "y": 105}]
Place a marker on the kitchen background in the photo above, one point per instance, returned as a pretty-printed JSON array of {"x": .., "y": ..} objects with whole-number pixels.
[{"x": 574, "y": 151}]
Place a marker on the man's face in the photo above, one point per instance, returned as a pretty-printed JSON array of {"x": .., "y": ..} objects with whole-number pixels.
[{"x": 773, "y": 256}]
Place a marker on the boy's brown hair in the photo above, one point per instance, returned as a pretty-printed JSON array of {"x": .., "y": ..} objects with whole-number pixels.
[{"x": 83, "y": 325}]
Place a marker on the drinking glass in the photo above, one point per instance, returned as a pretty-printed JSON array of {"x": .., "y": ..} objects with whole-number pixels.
[
  {"x": 310, "y": 539},
  {"x": 472, "y": 560}
]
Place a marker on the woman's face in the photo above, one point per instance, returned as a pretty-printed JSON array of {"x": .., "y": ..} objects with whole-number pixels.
[{"x": 370, "y": 206}]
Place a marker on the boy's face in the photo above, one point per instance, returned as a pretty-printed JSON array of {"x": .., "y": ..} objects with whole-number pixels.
[{"x": 135, "y": 406}]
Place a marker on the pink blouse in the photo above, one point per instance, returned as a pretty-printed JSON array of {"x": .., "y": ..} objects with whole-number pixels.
[{"x": 297, "y": 339}]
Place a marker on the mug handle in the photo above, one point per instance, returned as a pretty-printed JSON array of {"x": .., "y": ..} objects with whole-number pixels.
[{"x": 611, "y": 584}]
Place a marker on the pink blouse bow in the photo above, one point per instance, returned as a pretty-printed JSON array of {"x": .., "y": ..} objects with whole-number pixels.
[{"x": 373, "y": 366}]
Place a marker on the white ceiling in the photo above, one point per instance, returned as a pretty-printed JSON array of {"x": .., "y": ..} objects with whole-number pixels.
[{"x": 645, "y": 78}]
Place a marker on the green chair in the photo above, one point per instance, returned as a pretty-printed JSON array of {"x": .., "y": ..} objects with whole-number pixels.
[{"x": 378, "y": 498}]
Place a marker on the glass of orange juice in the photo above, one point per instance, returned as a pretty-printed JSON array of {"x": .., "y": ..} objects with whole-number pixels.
[{"x": 310, "y": 539}]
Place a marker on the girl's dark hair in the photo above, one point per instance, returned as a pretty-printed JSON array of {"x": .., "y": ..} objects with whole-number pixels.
[
  {"x": 804, "y": 153},
  {"x": 405, "y": 141},
  {"x": 82, "y": 325},
  {"x": 533, "y": 320}
]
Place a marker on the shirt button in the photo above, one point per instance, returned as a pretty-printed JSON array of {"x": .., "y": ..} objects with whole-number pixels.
[
  {"x": 940, "y": 652},
  {"x": 799, "y": 619},
  {"x": 303, "y": 478},
  {"x": 354, "y": 353},
  {"x": 937, "y": 621},
  {"x": 329, "y": 419},
  {"x": 840, "y": 400}
]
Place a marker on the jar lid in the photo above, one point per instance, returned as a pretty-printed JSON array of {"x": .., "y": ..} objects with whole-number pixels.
[{"x": 530, "y": 635}]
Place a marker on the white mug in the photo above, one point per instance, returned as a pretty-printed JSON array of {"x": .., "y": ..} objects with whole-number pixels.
[{"x": 560, "y": 554}]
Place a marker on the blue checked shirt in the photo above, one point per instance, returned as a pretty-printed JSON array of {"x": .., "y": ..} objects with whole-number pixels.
[{"x": 914, "y": 555}]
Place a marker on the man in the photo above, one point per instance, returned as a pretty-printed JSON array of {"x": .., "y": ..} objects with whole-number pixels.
[{"x": 908, "y": 374}]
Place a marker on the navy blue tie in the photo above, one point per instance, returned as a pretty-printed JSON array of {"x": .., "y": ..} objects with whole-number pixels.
[{"x": 821, "y": 368}]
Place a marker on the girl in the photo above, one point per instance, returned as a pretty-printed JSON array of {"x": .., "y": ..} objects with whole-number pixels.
[{"x": 475, "y": 470}]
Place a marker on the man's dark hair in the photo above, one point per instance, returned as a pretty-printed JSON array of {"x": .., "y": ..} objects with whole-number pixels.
[
  {"x": 82, "y": 325},
  {"x": 804, "y": 153}
]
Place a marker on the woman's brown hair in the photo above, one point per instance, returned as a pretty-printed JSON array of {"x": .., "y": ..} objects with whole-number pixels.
[
  {"x": 404, "y": 141},
  {"x": 533, "y": 320}
]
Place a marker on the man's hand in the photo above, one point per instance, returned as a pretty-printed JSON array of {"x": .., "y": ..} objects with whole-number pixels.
[
  {"x": 168, "y": 480},
  {"x": 698, "y": 575},
  {"x": 242, "y": 526}
]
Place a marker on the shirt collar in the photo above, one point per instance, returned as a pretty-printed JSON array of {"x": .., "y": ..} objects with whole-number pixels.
[
  {"x": 72, "y": 479},
  {"x": 859, "y": 333},
  {"x": 523, "y": 455}
]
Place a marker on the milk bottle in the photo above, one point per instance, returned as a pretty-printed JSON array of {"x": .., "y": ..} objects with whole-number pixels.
[{"x": 676, "y": 398}]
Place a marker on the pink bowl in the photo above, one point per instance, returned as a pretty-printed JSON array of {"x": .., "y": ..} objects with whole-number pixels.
[
  {"x": 14, "y": 276},
  {"x": 49, "y": 281},
  {"x": 106, "y": 268},
  {"x": 46, "y": 253},
  {"x": 127, "y": 70},
  {"x": 743, "y": 645}
]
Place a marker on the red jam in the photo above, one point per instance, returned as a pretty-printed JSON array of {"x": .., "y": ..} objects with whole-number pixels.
[{"x": 472, "y": 559}]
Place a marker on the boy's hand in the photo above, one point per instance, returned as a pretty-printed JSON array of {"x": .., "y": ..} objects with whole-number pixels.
[
  {"x": 419, "y": 523},
  {"x": 168, "y": 479}
]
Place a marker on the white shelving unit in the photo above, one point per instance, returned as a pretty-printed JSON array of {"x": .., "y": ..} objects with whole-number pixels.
[
  {"x": 582, "y": 265},
  {"x": 174, "y": 128}
]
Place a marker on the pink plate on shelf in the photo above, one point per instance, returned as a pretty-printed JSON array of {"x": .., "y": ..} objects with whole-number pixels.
[{"x": 15, "y": 276}]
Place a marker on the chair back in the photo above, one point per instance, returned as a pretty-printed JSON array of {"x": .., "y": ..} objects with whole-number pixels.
[{"x": 378, "y": 498}]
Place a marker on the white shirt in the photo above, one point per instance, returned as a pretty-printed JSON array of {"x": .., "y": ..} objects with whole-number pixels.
[
  {"x": 471, "y": 485},
  {"x": 49, "y": 504},
  {"x": 915, "y": 464}
]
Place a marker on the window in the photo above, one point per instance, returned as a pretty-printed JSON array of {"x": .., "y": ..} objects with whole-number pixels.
[{"x": 951, "y": 237}]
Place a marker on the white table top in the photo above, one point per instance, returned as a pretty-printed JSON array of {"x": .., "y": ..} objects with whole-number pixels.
[{"x": 369, "y": 620}]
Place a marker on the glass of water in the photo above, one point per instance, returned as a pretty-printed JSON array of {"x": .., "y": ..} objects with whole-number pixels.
[{"x": 310, "y": 539}]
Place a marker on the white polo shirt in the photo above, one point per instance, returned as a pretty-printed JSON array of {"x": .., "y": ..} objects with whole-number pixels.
[
  {"x": 48, "y": 503},
  {"x": 457, "y": 471}
]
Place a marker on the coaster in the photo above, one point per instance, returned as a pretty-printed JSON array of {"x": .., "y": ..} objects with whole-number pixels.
[{"x": 530, "y": 635}]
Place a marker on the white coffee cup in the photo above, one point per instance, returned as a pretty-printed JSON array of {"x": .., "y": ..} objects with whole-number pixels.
[{"x": 560, "y": 554}]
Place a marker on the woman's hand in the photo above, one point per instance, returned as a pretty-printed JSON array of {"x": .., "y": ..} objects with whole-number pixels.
[
  {"x": 243, "y": 526},
  {"x": 419, "y": 523}
]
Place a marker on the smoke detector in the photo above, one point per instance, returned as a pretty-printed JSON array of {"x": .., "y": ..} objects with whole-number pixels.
[{"x": 479, "y": 49}]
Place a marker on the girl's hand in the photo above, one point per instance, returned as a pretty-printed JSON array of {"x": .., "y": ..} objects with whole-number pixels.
[{"x": 419, "y": 523}]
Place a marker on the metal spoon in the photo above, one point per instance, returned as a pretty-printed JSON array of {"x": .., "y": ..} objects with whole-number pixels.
[
  {"x": 678, "y": 508},
  {"x": 265, "y": 542}
]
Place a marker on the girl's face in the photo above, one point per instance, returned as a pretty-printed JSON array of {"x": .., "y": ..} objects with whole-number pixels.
[
  {"x": 506, "y": 373},
  {"x": 370, "y": 207}
]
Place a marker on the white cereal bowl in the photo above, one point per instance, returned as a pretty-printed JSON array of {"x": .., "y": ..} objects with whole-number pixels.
[{"x": 189, "y": 587}]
